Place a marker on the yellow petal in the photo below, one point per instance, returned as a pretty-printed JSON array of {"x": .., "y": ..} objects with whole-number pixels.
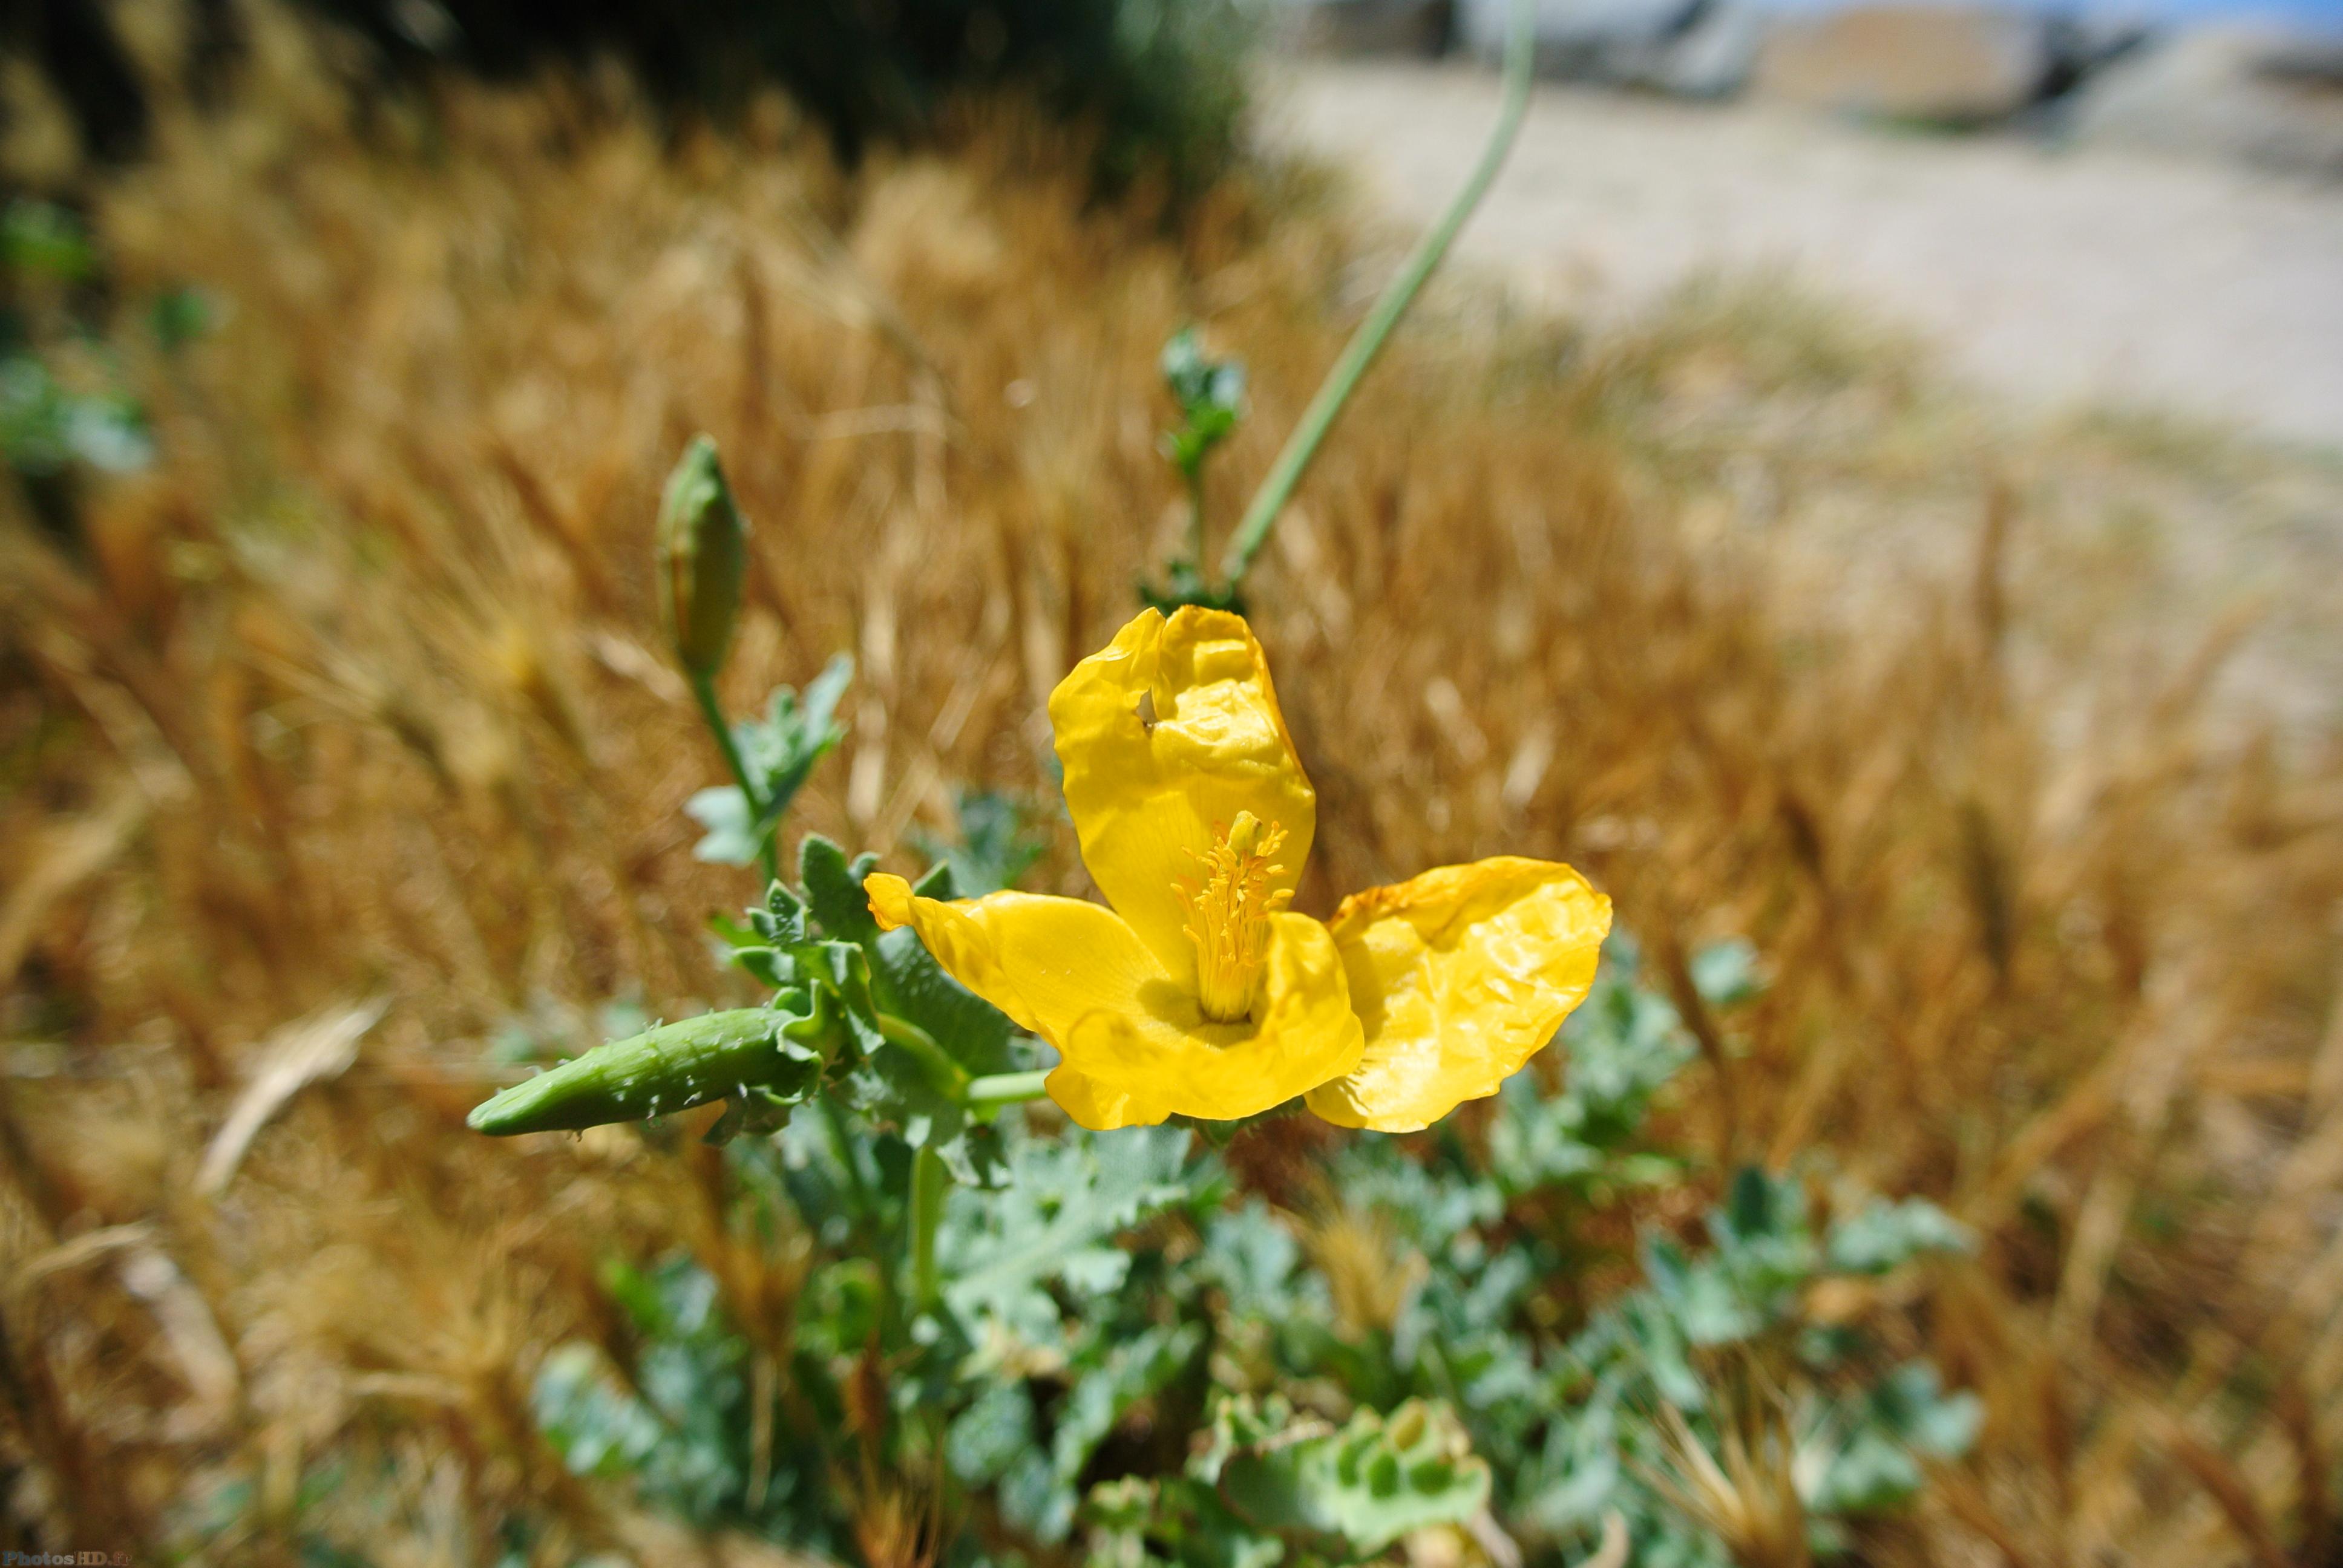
[
  {"x": 1132, "y": 1066},
  {"x": 1167, "y": 734},
  {"x": 1459, "y": 976},
  {"x": 1045, "y": 961},
  {"x": 1135, "y": 1044}
]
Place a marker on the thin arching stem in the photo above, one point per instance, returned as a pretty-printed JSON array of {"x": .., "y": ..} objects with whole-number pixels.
[
  {"x": 928, "y": 1178},
  {"x": 1000, "y": 1089},
  {"x": 704, "y": 688},
  {"x": 1397, "y": 295}
]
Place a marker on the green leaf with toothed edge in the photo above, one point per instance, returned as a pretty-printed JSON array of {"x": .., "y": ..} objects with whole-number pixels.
[
  {"x": 1056, "y": 1222},
  {"x": 833, "y": 889},
  {"x": 1363, "y": 1485},
  {"x": 731, "y": 836},
  {"x": 778, "y": 752}
]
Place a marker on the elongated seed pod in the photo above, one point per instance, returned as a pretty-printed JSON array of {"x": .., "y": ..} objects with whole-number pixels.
[{"x": 672, "y": 1068}]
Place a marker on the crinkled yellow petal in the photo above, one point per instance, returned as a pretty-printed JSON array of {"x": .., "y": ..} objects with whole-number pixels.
[
  {"x": 1133, "y": 1066},
  {"x": 1167, "y": 734},
  {"x": 1460, "y": 976},
  {"x": 1135, "y": 1045},
  {"x": 1044, "y": 962}
]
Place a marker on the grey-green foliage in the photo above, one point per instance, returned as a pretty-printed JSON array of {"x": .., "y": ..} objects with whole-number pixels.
[
  {"x": 998, "y": 843},
  {"x": 47, "y": 427},
  {"x": 1038, "y": 1486},
  {"x": 865, "y": 1016},
  {"x": 1054, "y": 1224},
  {"x": 1120, "y": 1348},
  {"x": 1268, "y": 1484},
  {"x": 1055, "y": 1275},
  {"x": 1115, "y": 1343},
  {"x": 63, "y": 400},
  {"x": 1862, "y": 1421},
  {"x": 46, "y": 240},
  {"x": 1623, "y": 1046},
  {"x": 1567, "y": 1424},
  {"x": 1035, "y": 1274},
  {"x": 677, "y": 1425},
  {"x": 1210, "y": 395},
  {"x": 779, "y": 753},
  {"x": 1344, "y": 1491}
]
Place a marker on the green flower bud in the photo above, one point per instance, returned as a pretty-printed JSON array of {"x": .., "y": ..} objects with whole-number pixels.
[
  {"x": 702, "y": 553},
  {"x": 672, "y": 1068}
]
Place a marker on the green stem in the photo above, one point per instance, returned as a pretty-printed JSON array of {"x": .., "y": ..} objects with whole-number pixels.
[
  {"x": 1359, "y": 352},
  {"x": 704, "y": 688},
  {"x": 946, "y": 1074},
  {"x": 1195, "y": 477},
  {"x": 927, "y": 1178},
  {"x": 861, "y": 1202},
  {"x": 841, "y": 1141},
  {"x": 998, "y": 1089}
]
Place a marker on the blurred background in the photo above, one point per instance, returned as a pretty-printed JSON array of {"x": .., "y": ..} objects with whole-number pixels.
[{"x": 1867, "y": 489}]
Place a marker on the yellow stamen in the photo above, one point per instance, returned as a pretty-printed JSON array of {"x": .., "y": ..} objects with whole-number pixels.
[{"x": 1228, "y": 915}]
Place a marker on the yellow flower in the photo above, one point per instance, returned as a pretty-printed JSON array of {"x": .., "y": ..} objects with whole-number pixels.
[{"x": 1195, "y": 990}]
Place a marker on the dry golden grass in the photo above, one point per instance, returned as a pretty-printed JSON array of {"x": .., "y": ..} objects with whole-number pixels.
[{"x": 357, "y": 695}]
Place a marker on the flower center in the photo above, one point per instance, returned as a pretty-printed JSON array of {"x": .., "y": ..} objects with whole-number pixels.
[{"x": 1228, "y": 914}]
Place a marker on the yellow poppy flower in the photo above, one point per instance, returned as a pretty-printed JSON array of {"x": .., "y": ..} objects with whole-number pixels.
[{"x": 1195, "y": 990}]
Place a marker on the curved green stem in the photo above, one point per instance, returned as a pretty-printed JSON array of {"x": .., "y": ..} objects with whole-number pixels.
[
  {"x": 927, "y": 1208},
  {"x": 841, "y": 1144},
  {"x": 998, "y": 1089},
  {"x": 946, "y": 1074},
  {"x": 1397, "y": 295},
  {"x": 704, "y": 688},
  {"x": 1195, "y": 478}
]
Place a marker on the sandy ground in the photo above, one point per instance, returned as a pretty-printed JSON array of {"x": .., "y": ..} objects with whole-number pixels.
[{"x": 2064, "y": 277}]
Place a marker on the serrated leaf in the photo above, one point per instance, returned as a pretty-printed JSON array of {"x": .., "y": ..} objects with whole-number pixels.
[
  {"x": 1133, "y": 1370},
  {"x": 1066, "y": 1201},
  {"x": 782, "y": 919},
  {"x": 1911, "y": 1403},
  {"x": 1756, "y": 1206},
  {"x": 1182, "y": 1518},
  {"x": 984, "y": 1440},
  {"x": 1884, "y": 1236},
  {"x": 730, "y": 837},
  {"x": 1252, "y": 1257},
  {"x": 1098, "y": 1400},
  {"x": 908, "y": 982},
  {"x": 778, "y": 752},
  {"x": 1365, "y": 1485},
  {"x": 1725, "y": 973},
  {"x": 899, "y": 1089},
  {"x": 833, "y": 889},
  {"x": 768, "y": 966}
]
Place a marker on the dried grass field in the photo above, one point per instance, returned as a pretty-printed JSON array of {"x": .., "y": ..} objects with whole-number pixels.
[{"x": 355, "y": 700}]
